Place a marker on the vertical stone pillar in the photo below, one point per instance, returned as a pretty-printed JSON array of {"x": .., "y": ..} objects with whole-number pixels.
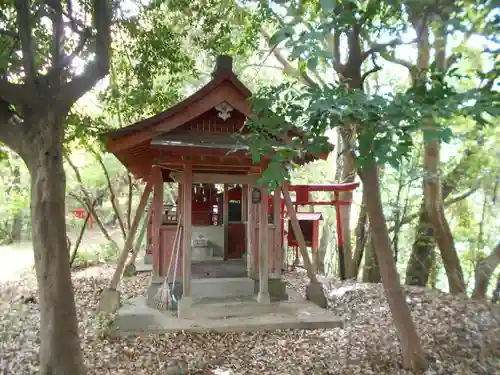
[
  {"x": 263, "y": 296},
  {"x": 184, "y": 306}
]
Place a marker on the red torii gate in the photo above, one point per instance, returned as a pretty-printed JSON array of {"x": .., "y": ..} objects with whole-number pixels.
[{"x": 302, "y": 198}]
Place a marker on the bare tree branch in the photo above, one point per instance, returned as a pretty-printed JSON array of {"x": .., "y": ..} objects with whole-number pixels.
[
  {"x": 26, "y": 37},
  {"x": 379, "y": 47},
  {"x": 376, "y": 68},
  {"x": 99, "y": 67},
  {"x": 8, "y": 33},
  {"x": 447, "y": 203},
  {"x": 57, "y": 34},
  {"x": 288, "y": 68}
]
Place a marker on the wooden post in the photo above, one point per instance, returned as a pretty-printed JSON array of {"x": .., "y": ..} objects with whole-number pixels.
[
  {"x": 157, "y": 205},
  {"x": 276, "y": 259},
  {"x": 244, "y": 202},
  {"x": 138, "y": 243},
  {"x": 250, "y": 230},
  {"x": 179, "y": 201},
  {"x": 186, "y": 301},
  {"x": 225, "y": 219},
  {"x": 263, "y": 296},
  {"x": 130, "y": 237},
  {"x": 299, "y": 236}
]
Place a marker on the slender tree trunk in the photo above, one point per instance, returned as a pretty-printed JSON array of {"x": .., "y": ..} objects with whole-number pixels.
[
  {"x": 79, "y": 238},
  {"x": 361, "y": 239},
  {"x": 348, "y": 175},
  {"x": 422, "y": 255},
  {"x": 112, "y": 197},
  {"x": 496, "y": 293},
  {"x": 60, "y": 352},
  {"x": 419, "y": 265},
  {"x": 87, "y": 201},
  {"x": 17, "y": 222},
  {"x": 435, "y": 210},
  {"x": 129, "y": 200},
  {"x": 432, "y": 281},
  {"x": 413, "y": 354},
  {"x": 484, "y": 271},
  {"x": 371, "y": 270}
]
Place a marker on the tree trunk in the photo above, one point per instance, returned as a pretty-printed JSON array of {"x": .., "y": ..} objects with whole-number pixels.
[
  {"x": 324, "y": 243},
  {"x": 58, "y": 321},
  {"x": 434, "y": 206},
  {"x": 129, "y": 200},
  {"x": 484, "y": 270},
  {"x": 112, "y": 197},
  {"x": 496, "y": 293},
  {"x": 371, "y": 270},
  {"x": 413, "y": 354},
  {"x": 348, "y": 175},
  {"x": 420, "y": 263},
  {"x": 432, "y": 281},
  {"x": 17, "y": 221},
  {"x": 422, "y": 255},
  {"x": 361, "y": 239},
  {"x": 87, "y": 201}
]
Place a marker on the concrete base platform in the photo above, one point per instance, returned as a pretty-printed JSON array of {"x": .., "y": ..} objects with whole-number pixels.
[
  {"x": 242, "y": 315},
  {"x": 143, "y": 267}
]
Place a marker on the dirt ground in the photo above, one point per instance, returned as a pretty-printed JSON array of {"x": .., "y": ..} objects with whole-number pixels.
[{"x": 17, "y": 258}]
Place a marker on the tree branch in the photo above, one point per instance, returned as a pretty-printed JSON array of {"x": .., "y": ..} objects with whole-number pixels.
[
  {"x": 286, "y": 64},
  {"x": 379, "y": 47},
  {"x": 8, "y": 33},
  {"x": 13, "y": 93},
  {"x": 57, "y": 35},
  {"x": 390, "y": 56},
  {"x": 99, "y": 67},
  {"x": 376, "y": 68},
  {"x": 447, "y": 203},
  {"x": 11, "y": 128},
  {"x": 26, "y": 37}
]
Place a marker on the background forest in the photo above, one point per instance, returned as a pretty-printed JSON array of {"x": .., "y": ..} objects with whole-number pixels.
[
  {"x": 157, "y": 61},
  {"x": 409, "y": 88}
]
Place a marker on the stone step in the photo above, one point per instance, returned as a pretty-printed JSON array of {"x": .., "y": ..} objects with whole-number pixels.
[{"x": 233, "y": 287}]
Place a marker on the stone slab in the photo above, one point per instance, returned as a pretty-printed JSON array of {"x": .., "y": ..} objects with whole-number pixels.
[
  {"x": 143, "y": 267},
  {"x": 228, "y": 287},
  {"x": 242, "y": 315}
]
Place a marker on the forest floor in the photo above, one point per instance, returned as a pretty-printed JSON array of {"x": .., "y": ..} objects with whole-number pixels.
[{"x": 460, "y": 337}]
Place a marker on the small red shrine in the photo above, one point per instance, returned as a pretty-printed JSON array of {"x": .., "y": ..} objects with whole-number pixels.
[{"x": 192, "y": 145}]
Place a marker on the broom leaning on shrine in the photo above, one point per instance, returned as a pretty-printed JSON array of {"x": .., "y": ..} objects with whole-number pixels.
[{"x": 164, "y": 296}]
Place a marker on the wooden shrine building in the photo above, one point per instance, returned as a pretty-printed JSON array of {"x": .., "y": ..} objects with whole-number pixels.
[{"x": 190, "y": 145}]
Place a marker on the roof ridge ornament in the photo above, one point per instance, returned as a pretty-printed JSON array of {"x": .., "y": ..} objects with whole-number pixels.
[
  {"x": 223, "y": 65},
  {"x": 224, "y": 110}
]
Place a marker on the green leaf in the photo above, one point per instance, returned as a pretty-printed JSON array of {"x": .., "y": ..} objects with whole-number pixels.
[
  {"x": 281, "y": 35},
  {"x": 327, "y": 5},
  {"x": 297, "y": 51},
  {"x": 312, "y": 63},
  {"x": 446, "y": 135}
]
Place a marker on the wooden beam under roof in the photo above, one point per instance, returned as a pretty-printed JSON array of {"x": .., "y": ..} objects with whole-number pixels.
[{"x": 218, "y": 178}]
